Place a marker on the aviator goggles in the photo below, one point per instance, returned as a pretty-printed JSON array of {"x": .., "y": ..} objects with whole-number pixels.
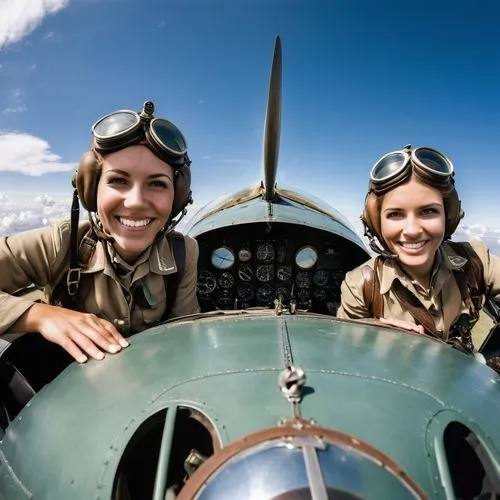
[
  {"x": 427, "y": 164},
  {"x": 125, "y": 128}
]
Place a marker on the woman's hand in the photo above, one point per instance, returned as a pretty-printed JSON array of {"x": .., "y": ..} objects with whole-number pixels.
[
  {"x": 82, "y": 335},
  {"x": 404, "y": 325}
]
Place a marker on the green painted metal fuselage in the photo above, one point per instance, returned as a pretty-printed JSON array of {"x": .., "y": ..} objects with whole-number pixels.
[{"x": 393, "y": 390}]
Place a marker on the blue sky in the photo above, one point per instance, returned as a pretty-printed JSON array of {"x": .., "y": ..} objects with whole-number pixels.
[{"x": 360, "y": 78}]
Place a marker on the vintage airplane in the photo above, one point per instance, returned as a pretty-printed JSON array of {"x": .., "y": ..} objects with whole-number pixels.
[{"x": 264, "y": 394}]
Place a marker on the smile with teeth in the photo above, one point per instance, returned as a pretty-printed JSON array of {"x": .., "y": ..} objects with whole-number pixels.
[
  {"x": 134, "y": 223},
  {"x": 415, "y": 245}
]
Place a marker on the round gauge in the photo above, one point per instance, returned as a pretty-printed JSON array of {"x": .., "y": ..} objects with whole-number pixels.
[
  {"x": 225, "y": 299},
  {"x": 244, "y": 254},
  {"x": 265, "y": 293},
  {"x": 206, "y": 283},
  {"x": 306, "y": 257},
  {"x": 265, "y": 252},
  {"x": 320, "y": 277},
  {"x": 245, "y": 293},
  {"x": 303, "y": 294},
  {"x": 284, "y": 273},
  {"x": 303, "y": 279},
  {"x": 226, "y": 280},
  {"x": 245, "y": 273},
  {"x": 284, "y": 293},
  {"x": 264, "y": 273},
  {"x": 222, "y": 258}
]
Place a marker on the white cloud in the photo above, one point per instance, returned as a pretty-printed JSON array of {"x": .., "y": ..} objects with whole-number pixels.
[
  {"x": 19, "y": 109},
  {"x": 29, "y": 155},
  {"x": 18, "y": 18},
  {"x": 13, "y": 102},
  {"x": 487, "y": 234},
  {"x": 45, "y": 200},
  {"x": 17, "y": 215},
  {"x": 52, "y": 37},
  {"x": 48, "y": 36}
]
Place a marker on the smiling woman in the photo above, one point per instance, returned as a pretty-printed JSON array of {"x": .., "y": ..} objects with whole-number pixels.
[
  {"x": 420, "y": 281},
  {"x": 125, "y": 269},
  {"x": 134, "y": 198}
]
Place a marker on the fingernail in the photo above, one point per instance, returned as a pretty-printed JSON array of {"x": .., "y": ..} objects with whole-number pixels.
[
  {"x": 99, "y": 355},
  {"x": 81, "y": 359},
  {"x": 114, "y": 348},
  {"x": 123, "y": 343}
]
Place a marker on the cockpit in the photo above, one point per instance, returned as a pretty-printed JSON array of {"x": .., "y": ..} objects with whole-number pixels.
[{"x": 296, "y": 261}]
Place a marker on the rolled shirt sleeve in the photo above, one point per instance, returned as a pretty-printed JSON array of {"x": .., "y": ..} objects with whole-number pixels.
[
  {"x": 30, "y": 257},
  {"x": 491, "y": 265},
  {"x": 352, "y": 303}
]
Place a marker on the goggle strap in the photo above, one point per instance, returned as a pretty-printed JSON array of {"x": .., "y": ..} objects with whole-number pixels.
[{"x": 73, "y": 274}]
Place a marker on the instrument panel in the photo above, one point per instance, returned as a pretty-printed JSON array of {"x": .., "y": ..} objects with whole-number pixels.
[{"x": 253, "y": 265}]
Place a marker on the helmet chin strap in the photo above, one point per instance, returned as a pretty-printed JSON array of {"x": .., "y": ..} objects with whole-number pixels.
[
  {"x": 377, "y": 249},
  {"x": 97, "y": 226},
  {"x": 375, "y": 245},
  {"x": 171, "y": 225}
]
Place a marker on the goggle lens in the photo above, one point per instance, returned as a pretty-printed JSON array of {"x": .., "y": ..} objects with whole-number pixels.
[
  {"x": 115, "y": 125},
  {"x": 434, "y": 161},
  {"x": 426, "y": 163},
  {"x": 388, "y": 166},
  {"x": 168, "y": 135},
  {"x": 125, "y": 128}
]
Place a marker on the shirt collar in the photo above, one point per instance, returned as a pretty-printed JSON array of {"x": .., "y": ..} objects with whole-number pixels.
[
  {"x": 390, "y": 271},
  {"x": 161, "y": 259},
  {"x": 450, "y": 259},
  {"x": 159, "y": 255},
  {"x": 446, "y": 260}
]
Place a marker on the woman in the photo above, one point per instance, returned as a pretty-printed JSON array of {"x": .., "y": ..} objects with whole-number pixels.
[
  {"x": 112, "y": 273},
  {"x": 423, "y": 280}
]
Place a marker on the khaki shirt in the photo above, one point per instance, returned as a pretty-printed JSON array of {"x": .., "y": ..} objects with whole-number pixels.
[
  {"x": 443, "y": 299},
  {"x": 39, "y": 256}
]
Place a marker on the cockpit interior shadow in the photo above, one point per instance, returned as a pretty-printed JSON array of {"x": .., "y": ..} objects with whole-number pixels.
[
  {"x": 28, "y": 364},
  {"x": 38, "y": 360},
  {"x": 193, "y": 440}
]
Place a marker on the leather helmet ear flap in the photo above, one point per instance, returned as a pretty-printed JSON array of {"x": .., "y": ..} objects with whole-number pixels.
[
  {"x": 86, "y": 179},
  {"x": 182, "y": 186},
  {"x": 453, "y": 210},
  {"x": 371, "y": 215}
]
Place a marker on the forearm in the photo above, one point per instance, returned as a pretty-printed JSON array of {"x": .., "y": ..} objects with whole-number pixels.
[
  {"x": 11, "y": 310},
  {"x": 29, "y": 321}
]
